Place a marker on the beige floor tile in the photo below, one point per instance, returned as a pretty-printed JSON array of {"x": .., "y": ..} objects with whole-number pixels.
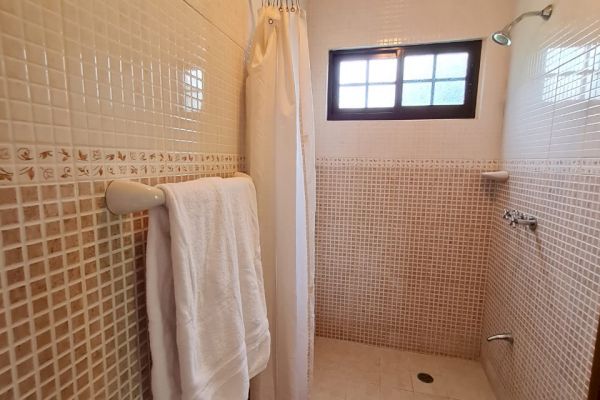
[
  {"x": 395, "y": 394},
  {"x": 329, "y": 382},
  {"x": 396, "y": 379},
  {"x": 325, "y": 396},
  {"x": 469, "y": 385},
  {"x": 406, "y": 395},
  {"x": 362, "y": 391},
  {"x": 395, "y": 359},
  {"x": 357, "y": 373},
  {"x": 362, "y": 357},
  {"x": 421, "y": 396},
  {"x": 330, "y": 391}
]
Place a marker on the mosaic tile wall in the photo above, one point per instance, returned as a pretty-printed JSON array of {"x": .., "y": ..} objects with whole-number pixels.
[
  {"x": 401, "y": 252},
  {"x": 90, "y": 91},
  {"x": 552, "y": 107},
  {"x": 545, "y": 286}
]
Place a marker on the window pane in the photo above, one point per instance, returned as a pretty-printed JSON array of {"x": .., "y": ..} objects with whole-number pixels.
[
  {"x": 353, "y": 71},
  {"x": 416, "y": 94},
  {"x": 382, "y": 96},
  {"x": 451, "y": 65},
  {"x": 418, "y": 67},
  {"x": 449, "y": 93},
  {"x": 352, "y": 96},
  {"x": 383, "y": 70}
]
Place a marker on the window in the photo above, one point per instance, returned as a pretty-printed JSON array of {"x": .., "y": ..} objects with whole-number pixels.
[
  {"x": 192, "y": 80},
  {"x": 431, "y": 81}
]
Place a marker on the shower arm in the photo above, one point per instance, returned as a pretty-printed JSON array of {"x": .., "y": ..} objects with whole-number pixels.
[{"x": 509, "y": 27}]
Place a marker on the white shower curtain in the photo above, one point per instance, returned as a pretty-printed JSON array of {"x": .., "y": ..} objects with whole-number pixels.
[{"x": 280, "y": 140}]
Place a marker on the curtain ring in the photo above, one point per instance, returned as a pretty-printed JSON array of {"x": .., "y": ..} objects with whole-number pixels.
[{"x": 270, "y": 21}]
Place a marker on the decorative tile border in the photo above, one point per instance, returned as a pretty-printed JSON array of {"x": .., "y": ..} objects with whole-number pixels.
[
  {"x": 25, "y": 163},
  {"x": 404, "y": 163},
  {"x": 583, "y": 166}
]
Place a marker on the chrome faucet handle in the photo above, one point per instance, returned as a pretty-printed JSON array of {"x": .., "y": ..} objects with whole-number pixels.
[{"x": 516, "y": 218}]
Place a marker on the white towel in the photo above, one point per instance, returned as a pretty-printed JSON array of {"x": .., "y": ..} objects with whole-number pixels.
[
  {"x": 208, "y": 329},
  {"x": 160, "y": 303},
  {"x": 241, "y": 196}
]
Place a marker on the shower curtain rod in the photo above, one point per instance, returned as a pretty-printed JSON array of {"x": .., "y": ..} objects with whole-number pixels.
[{"x": 284, "y": 5}]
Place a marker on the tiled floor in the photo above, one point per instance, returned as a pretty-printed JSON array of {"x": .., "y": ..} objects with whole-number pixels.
[{"x": 352, "y": 371}]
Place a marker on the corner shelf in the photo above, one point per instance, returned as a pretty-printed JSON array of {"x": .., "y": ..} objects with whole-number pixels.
[{"x": 498, "y": 176}]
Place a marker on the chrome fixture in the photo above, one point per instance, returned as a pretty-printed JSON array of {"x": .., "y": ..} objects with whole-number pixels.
[
  {"x": 518, "y": 218},
  {"x": 502, "y": 37},
  {"x": 508, "y": 337}
]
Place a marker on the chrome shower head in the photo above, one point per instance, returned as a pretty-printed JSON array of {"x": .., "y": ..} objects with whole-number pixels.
[{"x": 502, "y": 37}]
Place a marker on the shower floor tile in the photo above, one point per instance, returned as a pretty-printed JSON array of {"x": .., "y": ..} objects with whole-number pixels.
[{"x": 353, "y": 371}]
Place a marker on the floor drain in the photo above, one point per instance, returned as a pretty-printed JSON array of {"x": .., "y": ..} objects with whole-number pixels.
[{"x": 423, "y": 377}]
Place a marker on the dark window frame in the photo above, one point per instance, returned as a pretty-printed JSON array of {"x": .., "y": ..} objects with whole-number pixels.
[{"x": 399, "y": 112}]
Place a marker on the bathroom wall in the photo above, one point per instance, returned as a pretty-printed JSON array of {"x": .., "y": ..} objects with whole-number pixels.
[
  {"x": 544, "y": 287},
  {"x": 402, "y": 237},
  {"x": 91, "y": 91},
  {"x": 401, "y": 253},
  {"x": 339, "y": 24}
]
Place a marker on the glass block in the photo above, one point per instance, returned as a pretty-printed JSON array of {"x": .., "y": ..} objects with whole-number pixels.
[
  {"x": 451, "y": 65},
  {"x": 353, "y": 71},
  {"x": 449, "y": 93},
  {"x": 416, "y": 94},
  {"x": 418, "y": 67},
  {"x": 381, "y": 96},
  {"x": 383, "y": 70},
  {"x": 352, "y": 96}
]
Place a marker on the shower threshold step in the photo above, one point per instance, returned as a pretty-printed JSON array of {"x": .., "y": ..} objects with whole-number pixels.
[{"x": 352, "y": 371}]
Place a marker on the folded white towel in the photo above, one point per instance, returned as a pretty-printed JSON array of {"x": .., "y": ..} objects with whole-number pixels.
[{"x": 206, "y": 309}]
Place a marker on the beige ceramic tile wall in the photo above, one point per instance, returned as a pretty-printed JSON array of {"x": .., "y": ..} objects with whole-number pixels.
[
  {"x": 384, "y": 277},
  {"x": 544, "y": 286},
  {"x": 336, "y": 24},
  {"x": 401, "y": 253},
  {"x": 91, "y": 91}
]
